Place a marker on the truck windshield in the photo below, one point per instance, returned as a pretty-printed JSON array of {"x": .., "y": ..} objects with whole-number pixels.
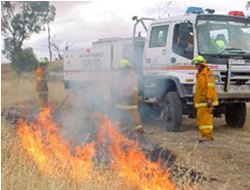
[{"x": 223, "y": 37}]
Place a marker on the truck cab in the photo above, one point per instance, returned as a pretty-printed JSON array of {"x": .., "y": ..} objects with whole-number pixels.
[
  {"x": 168, "y": 79},
  {"x": 162, "y": 62}
]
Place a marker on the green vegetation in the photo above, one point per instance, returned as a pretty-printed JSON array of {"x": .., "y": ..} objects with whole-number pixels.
[
  {"x": 20, "y": 20},
  {"x": 24, "y": 61}
]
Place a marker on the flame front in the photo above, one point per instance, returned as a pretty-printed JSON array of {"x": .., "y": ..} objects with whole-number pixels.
[
  {"x": 55, "y": 156},
  {"x": 131, "y": 164}
]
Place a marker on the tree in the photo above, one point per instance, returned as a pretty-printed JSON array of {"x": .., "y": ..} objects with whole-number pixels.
[
  {"x": 163, "y": 8},
  {"x": 24, "y": 61},
  {"x": 55, "y": 44},
  {"x": 248, "y": 6},
  {"x": 20, "y": 20},
  {"x": 48, "y": 26}
]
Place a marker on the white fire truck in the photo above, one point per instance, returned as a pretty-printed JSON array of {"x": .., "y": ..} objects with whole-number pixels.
[{"x": 162, "y": 62}]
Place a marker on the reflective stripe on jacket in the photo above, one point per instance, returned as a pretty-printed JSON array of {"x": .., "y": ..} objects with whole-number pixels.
[
  {"x": 199, "y": 105},
  {"x": 126, "y": 107},
  {"x": 41, "y": 93}
]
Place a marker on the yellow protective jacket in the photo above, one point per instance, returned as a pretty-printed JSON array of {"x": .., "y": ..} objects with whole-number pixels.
[
  {"x": 127, "y": 91},
  {"x": 205, "y": 88},
  {"x": 41, "y": 81}
]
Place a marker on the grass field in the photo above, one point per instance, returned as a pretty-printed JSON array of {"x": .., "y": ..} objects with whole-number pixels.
[{"x": 227, "y": 159}]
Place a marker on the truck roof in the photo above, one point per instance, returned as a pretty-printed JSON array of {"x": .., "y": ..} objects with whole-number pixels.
[
  {"x": 105, "y": 40},
  {"x": 175, "y": 18},
  {"x": 192, "y": 17}
]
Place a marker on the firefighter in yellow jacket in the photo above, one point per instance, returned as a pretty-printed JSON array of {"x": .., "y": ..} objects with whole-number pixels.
[
  {"x": 127, "y": 99},
  {"x": 41, "y": 83},
  {"x": 205, "y": 97}
]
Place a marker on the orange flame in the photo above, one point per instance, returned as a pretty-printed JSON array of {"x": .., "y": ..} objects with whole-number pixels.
[
  {"x": 52, "y": 154},
  {"x": 131, "y": 164},
  {"x": 55, "y": 156}
]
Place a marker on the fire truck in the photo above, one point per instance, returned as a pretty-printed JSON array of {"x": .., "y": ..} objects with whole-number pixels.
[{"x": 162, "y": 62}]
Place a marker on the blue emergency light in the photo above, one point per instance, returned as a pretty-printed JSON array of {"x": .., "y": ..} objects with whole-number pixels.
[{"x": 198, "y": 10}]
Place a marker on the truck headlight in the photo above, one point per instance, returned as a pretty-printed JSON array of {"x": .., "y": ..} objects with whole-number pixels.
[{"x": 216, "y": 78}]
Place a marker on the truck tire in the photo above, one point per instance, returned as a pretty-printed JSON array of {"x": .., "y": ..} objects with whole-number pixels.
[
  {"x": 236, "y": 115},
  {"x": 148, "y": 112},
  {"x": 172, "y": 112}
]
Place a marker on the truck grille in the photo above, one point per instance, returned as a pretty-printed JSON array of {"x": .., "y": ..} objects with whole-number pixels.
[{"x": 236, "y": 77}]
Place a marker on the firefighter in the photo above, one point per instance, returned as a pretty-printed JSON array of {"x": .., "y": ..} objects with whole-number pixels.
[
  {"x": 205, "y": 98},
  {"x": 220, "y": 43},
  {"x": 127, "y": 100},
  {"x": 41, "y": 83}
]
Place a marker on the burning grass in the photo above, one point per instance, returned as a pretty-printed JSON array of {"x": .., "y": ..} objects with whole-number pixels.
[
  {"x": 19, "y": 171},
  {"x": 76, "y": 164},
  {"x": 53, "y": 155}
]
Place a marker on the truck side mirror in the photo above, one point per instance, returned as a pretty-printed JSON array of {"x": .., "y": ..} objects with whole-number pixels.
[{"x": 183, "y": 31}]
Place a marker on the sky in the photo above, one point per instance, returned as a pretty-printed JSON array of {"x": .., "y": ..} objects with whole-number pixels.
[{"x": 78, "y": 23}]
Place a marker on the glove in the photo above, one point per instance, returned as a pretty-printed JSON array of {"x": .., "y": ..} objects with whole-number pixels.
[{"x": 210, "y": 102}]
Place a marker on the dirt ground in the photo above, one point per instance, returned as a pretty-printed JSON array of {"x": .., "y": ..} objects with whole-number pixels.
[{"x": 226, "y": 159}]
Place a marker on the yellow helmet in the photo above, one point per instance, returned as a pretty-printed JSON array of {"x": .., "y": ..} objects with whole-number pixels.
[
  {"x": 43, "y": 61},
  {"x": 199, "y": 60},
  {"x": 122, "y": 63},
  {"x": 220, "y": 44}
]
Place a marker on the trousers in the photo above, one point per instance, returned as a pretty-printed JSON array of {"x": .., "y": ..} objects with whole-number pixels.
[
  {"x": 130, "y": 119},
  {"x": 205, "y": 122},
  {"x": 42, "y": 100}
]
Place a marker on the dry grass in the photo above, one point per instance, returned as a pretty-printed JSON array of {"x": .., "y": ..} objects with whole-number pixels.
[
  {"x": 56, "y": 64},
  {"x": 18, "y": 172},
  {"x": 22, "y": 90}
]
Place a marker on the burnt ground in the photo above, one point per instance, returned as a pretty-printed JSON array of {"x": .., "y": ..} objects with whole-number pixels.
[{"x": 227, "y": 158}]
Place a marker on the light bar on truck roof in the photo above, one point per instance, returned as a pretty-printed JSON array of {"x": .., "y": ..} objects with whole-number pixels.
[
  {"x": 236, "y": 13},
  {"x": 198, "y": 10}
]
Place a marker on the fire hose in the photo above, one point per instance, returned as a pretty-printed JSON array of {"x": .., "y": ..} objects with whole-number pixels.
[
  {"x": 14, "y": 113},
  {"x": 62, "y": 103}
]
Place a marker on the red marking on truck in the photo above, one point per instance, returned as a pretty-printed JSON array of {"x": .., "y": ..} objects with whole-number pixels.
[
  {"x": 170, "y": 68},
  {"x": 213, "y": 67},
  {"x": 87, "y": 70},
  {"x": 189, "y": 67}
]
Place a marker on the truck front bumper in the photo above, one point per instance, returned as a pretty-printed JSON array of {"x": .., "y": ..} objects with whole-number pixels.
[{"x": 233, "y": 95}]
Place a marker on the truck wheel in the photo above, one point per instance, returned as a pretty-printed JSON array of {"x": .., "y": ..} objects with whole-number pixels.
[
  {"x": 148, "y": 112},
  {"x": 236, "y": 115},
  {"x": 172, "y": 112}
]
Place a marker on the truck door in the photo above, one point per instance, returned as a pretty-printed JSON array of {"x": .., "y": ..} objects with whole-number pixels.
[
  {"x": 183, "y": 43},
  {"x": 155, "y": 51}
]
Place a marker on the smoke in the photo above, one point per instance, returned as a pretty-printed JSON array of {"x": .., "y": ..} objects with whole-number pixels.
[
  {"x": 88, "y": 99},
  {"x": 93, "y": 76}
]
